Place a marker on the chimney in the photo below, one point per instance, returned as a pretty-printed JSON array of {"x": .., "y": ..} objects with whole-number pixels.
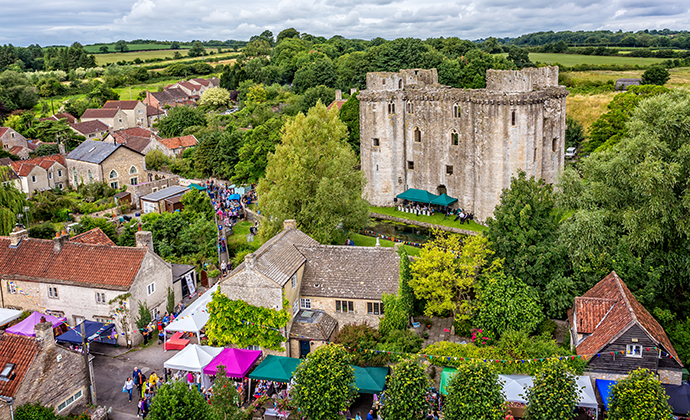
[
  {"x": 289, "y": 224},
  {"x": 338, "y": 95},
  {"x": 44, "y": 334},
  {"x": 144, "y": 239},
  {"x": 17, "y": 235},
  {"x": 249, "y": 260},
  {"x": 353, "y": 91},
  {"x": 61, "y": 149},
  {"x": 59, "y": 241}
]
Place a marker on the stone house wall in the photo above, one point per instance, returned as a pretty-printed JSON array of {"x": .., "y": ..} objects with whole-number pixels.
[
  {"x": 146, "y": 187},
  {"x": 416, "y": 133},
  {"x": 80, "y": 172},
  {"x": 118, "y": 122},
  {"x": 11, "y": 139},
  {"x": 122, "y": 161},
  {"x": 137, "y": 116},
  {"x": 359, "y": 316},
  {"x": 14, "y": 299}
]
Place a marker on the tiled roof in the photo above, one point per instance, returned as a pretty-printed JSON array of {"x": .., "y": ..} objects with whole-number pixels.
[
  {"x": 278, "y": 259},
  {"x": 337, "y": 104},
  {"x": 62, "y": 115},
  {"x": 108, "y": 267},
  {"x": 89, "y": 127},
  {"x": 177, "y": 142},
  {"x": 24, "y": 167},
  {"x": 318, "y": 324},
  {"x": 200, "y": 81},
  {"x": 16, "y": 150},
  {"x": 100, "y": 113},
  {"x": 3, "y": 130},
  {"x": 121, "y": 136},
  {"x": 188, "y": 85},
  {"x": 339, "y": 271},
  {"x": 152, "y": 110},
  {"x": 609, "y": 309},
  {"x": 121, "y": 104},
  {"x": 8, "y": 175},
  {"x": 20, "y": 351},
  {"x": 93, "y": 151},
  {"x": 94, "y": 236}
]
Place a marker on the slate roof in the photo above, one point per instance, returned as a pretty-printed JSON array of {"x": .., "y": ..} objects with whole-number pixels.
[
  {"x": 152, "y": 110},
  {"x": 121, "y": 104},
  {"x": 177, "y": 142},
  {"x": 180, "y": 269},
  {"x": 21, "y": 351},
  {"x": 93, "y": 151},
  {"x": 319, "y": 325},
  {"x": 100, "y": 113},
  {"x": 278, "y": 258},
  {"x": 3, "y": 130},
  {"x": 170, "y": 95},
  {"x": 165, "y": 193},
  {"x": 80, "y": 264},
  {"x": 88, "y": 127},
  {"x": 608, "y": 310},
  {"x": 94, "y": 236},
  {"x": 351, "y": 272}
]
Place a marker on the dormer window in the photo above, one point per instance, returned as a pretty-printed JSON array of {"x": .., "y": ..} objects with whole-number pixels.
[{"x": 8, "y": 372}]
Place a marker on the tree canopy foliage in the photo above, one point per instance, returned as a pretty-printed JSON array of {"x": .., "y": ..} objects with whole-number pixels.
[
  {"x": 639, "y": 396},
  {"x": 553, "y": 395},
  {"x": 406, "y": 391},
  {"x": 177, "y": 401},
  {"x": 474, "y": 393}
]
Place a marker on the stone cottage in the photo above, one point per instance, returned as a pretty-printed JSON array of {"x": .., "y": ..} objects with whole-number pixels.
[
  {"x": 14, "y": 143},
  {"x": 134, "y": 110},
  {"x": 41, "y": 173},
  {"x": 114, "y": 118},
  {"x": 97, "y": 161}
]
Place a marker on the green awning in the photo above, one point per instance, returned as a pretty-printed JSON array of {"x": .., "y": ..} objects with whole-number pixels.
[
  {"x": 197, "y": 187},
  {"x": 276, "y": 369},
  {"x": 443, "y": 200},
  {"x": 446, "y": 374},
  {"x": 418, "y": 196},
  {"x": 370, "y": 380}
]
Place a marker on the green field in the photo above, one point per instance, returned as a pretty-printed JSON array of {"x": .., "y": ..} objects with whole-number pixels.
[
  {"x": 362, "y": 240},
  {"x": 437, "y": 219},
  {"x": 124, "y": 91},
  {"x": 102, "y": 59},
  {"x": 574, "y": 59},
  {"x": 132, "y": 47}
]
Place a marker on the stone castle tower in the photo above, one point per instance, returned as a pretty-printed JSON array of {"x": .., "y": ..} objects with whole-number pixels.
[{"x": 416, "y": 133}]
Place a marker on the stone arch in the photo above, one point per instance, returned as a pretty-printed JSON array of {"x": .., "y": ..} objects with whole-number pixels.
[
  {"x": 417, "y": 135},
  {"x": 391, "y": 107},
  {"x": 113, "y": 174},
  {"x": 410, "y": 107},
  {"x": 454, "y": 138},
  {"x": 133, "y": 170},
  {"x": 441, "y": 189},
  {"x": 456, "y": 111}
]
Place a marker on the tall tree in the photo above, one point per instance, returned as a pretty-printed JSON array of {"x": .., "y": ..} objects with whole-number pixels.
[
  {"x": 324, "y": 383},
  {"x": 12, "y": 202},
  {"x": 349, "y": 114},
  {"x": 253, "y": 155},
  {"x": 655, "y": 75},
  {"x": 553, "y": 395},
  {"x": 406, "y": 391},
  {"x": 178, "y": 119},
  {"x": 640, "y": 396},
  {"x": 474, "y": 393},
  {"x": 312, "y": 177}
]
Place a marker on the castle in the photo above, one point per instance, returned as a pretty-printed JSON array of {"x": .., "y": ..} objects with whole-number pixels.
[{"x": 467, "y": 143}]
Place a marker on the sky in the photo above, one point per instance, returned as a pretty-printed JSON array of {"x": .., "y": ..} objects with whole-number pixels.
[{"x": 50, "y": 22}]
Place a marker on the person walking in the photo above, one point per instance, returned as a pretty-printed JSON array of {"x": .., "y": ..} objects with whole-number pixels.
[
  {"x": 129, "y": 385},
  {"x": 144, "y": 407},
  {"x": 153, "y": 380},
  {"x": 136, "y": 378}
]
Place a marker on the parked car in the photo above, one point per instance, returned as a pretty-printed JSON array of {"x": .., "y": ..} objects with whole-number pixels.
[{"x": 570, "y": 152}]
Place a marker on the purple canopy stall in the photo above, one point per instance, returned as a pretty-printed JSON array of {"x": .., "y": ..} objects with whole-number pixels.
[
  {"x": 237, "y": 362},
  {"x": 26, "y": 327}
]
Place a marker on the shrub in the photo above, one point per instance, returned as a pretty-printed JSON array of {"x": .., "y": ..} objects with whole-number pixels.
[
  {"x": 359, "y": 337},
  {"x": 474, "y": 393},
  {"x": 640, "y": 396},
  {"x": 42, "y": 231},
  {"x": 553, "y": 395}
]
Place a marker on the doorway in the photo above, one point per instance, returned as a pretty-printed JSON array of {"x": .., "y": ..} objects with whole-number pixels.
[
  {"x": 304, "y": 349},
  {"x": 441, "y": 189}
]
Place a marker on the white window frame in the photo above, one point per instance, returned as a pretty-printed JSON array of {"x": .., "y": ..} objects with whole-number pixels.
[
  {"x": 53, "y": 292},
  {"x": 33, "y": 179},
  {"x": 295, "y": 307},
  {"x": 134, "y": 180},
  {"x": 293, "y": 281},
  {"x": 113, "y": 185},
  {"x": 71, "y": 400},
  {"x": 305, "y": 303},
  {"x": 151, "y": 289},
  {"x": 631, "y": 350},
  {"x": 100, "y": 298}
]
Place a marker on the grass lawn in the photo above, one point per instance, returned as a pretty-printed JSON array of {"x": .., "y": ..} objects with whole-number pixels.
[
  {"x": 587, "y": 108},
  {"x": 362, "y": 240},
  {"x": 239, "y": 236},
  {"x": 574, "y": 59},
  {"x": 436, "y": 219}
]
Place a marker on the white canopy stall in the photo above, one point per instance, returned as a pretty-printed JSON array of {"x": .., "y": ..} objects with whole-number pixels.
[
  {"x": 194, "y": 358},
  {"x": 195, "y": 316}
]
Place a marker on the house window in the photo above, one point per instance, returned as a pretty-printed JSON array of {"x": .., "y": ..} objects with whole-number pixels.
[
  {"x": 140, "y": 111},
  {"x": 59, "y": 173},
  {"x": 11, "y": 288},
  {"x": 120, "y": 120},
  {"x": 633, "y": 350},
  {"x": 295, "y": 307},
  {"x": 90, "y": 176},
  {"x": 133, "y": 181},
  {"x": 103, "y": 319},
  {"x": 113, "y": 174},
  {"x": 12, "y": 135},
  {"x": 344, "y": 306},
  {"x": 454, "y": 138},
  {"x": 376, "y": 142},
  {"x": 132, "y": 170},
  {"x": 50, "y": 175},
  {"x": 60, "y": 186},
  {"x": 113, "y": 185},
  {"x": 554, "y": 144},
  {"x": 293, "y": 281},
  {"x": 305, "y": 303},
  {"x": 410, "y": 165},
  {"x": 456, "y": 111},
  {"x": 52, "y": 292},
  {"x": 375, "y": 308},
  {"x": 512, "y": 118},
  {"x": 391, "y": 108},
  {"x": 151, "y": 288},
  {"x": 69, "y": 401},
  {"x": 410, "y": 108},
  {"x": 100, "y": 297},
  {"x": 33, "y": 178},
  {"x": 449, "y": 169},
  {"x": 417, "y": 135},
  {"x": 74, "y": 175}
]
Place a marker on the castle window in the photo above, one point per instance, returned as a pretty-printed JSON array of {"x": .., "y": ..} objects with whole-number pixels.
[
  {"x": 376, "y": 142},
  {"x": 410, "y": 165},
  {"x": 377, "y": 168},
  {"x": 400, "y": 84},
  {"x": 391, "y": 108},
  {"x": 456, "y": 111},
  {"x": 410, "y": 108},
  {"x": 383, "y": 82},
  {"x": 132, "y": 170},
  {"x": 512, "y": 118},
  {"x": 554, "y": 144},
  {"x": 535, "y": 154},
  {"x": 454, "y": 138},
  {"x": 449, "y": 169},
  {"x": 417, "y": 135},
  {"x": 113, "y": 174}
]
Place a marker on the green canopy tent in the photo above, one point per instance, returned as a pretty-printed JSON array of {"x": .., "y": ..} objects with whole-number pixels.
[
  {"x": 446, "y": 374},
  {"x": 200, "y": 188},
  {"x": 418, "y": 196},
  {"x": 275, "y": 369},
  {"x": 443, "y": 200},
  {"x": 370, "y": 380}
]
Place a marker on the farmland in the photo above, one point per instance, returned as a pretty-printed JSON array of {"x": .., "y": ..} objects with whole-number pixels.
[
  {"x": 574, "y": 59},
  {"x": 105, "y": 59},
  {"x": 96, "y": 48}
]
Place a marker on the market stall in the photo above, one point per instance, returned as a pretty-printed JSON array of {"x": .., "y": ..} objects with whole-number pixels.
[
  {"x": 94, "y": 331},
  {"x": 8, "y": 315},
  {"x": 237, "y": 362},
  {"x": 679, "y": 398},
  {"x": 370, "y": 380},
  {"x": 194, "y": 358},
  {"x": 418, "y": 196},
  {"x": 443, "y": 200},
  {"x": 194, "y": 317},
  {"x": 26, "y": 327},
  {"x": 275, "y": 369}
]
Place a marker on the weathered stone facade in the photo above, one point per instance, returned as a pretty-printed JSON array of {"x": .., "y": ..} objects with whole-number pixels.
[
  {"x": 416, "y": 133},
  {"x": 123, "y": 167},
  {"x": 359, "y": 315}
]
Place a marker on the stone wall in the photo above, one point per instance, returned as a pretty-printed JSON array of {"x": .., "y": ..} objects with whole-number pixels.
[
  {"x": 153, "y": 270},
  {"x": 666, "y": 376},
  {"x": 416, "y": 133},
  {"x": 424, "y": 224},
  {"x": 359, "y": 315},
  {"x": 122, "y": 161},
  {"x": 146, "y": 187},
  {"x": 86, "y": 172},
  {"x": 17, "y": 299}
]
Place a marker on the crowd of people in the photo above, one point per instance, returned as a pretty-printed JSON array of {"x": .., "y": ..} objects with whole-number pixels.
[
  {"x": 429, "y": 210},
  {"x": 145, "y": 387},
  {"x": 157, "y": 325}
]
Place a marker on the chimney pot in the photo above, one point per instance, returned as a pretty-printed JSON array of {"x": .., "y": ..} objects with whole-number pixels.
[
  {"x": 289, "y": 224},
  {"x": 144, "y": 239},
  {"x": 44, "y": 333}
]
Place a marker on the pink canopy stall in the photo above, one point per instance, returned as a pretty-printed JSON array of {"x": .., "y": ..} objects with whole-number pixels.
[
  {"x": 26, "y": 327},
  {"x": 237, "y": 362}
]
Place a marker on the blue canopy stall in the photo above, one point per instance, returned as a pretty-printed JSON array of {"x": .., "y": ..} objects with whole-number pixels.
[{"x": 95, "y": 331}]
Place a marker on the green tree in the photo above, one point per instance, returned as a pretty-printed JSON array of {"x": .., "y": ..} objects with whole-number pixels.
[
  {"x": 16, "y": 91},
  {"x": 35, "y": 411},
  {"x": 445, "y": 272},
  {"x": 406, "y": 391},
  {"x": 121, "y": 46},
  {"x": 176, "y": 401},
  {"x": 12, "y": 202},
  {"x": 103, "y": 49},
  {"x": 313, "y": 95},
  {"x": 175, "y": 45},
  {"x": 197, "y": 49},
  {"x": 356, "y": 337},
  {"x": 519, "y": 57},
  {"x": 506, "y": 303},
  {"x": 215, "y": 98},
  {"x": 87, "y": 223},
  {"x": 287, "y": 33},
  {"x": 349, "y": 114},
  {"x": 474, "y": 393},
  {"x": 195, "y": 201},
  {"x": 101, "y": 93},
  {"x": 225, "y": 400},
  {"x": 324, "y": 384},
  {"x": 178, "y": 119},
  {"x": 314, "y": 159},
  {"x": 155, "y": 160},
  {"x": 640, "y": 396},
  {"x": 256, "y": 48},
  {"x": 259, "y": 142},
  {"x": 553, "y": 395},
  {"x": 397, "y": 314},
  {"x": 42, "y": 231},
  {"x": 144, "y": 317},
  {"x": 239, "y": 323},
  {"x": 170, "y": 303},
  {"x": 574, "y": 133},
  {"x": 655, "y": 75}
]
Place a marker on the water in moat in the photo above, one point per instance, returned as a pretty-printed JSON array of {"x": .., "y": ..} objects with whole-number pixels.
[{"x": 402, "y": 231}]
